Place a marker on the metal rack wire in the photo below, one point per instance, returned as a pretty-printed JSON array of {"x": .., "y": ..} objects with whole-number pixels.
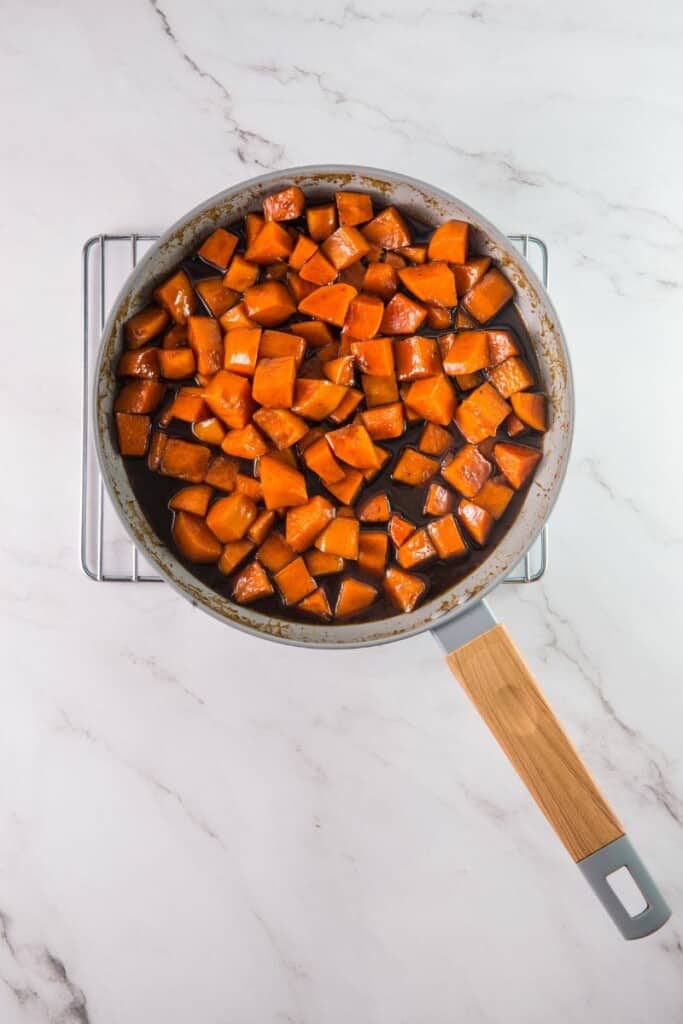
[{"x": 107, "y": 554}]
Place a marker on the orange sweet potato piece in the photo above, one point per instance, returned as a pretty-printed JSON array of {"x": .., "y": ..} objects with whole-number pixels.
[
  {"x": 222, "y": 472},
  {"x": 133, "y": 433},
  {"x": 388, "y": 230},
  {"x": 514, "y": 426},
  {"x": 467, "y": 470},
  {"x": 319, "y": 563},
  {"x": 346, "y": 490},
  {"x": 438, "y": 317},
  {"x": 319, "y": 458},
  {"x": 347, "y": 406},
  {"x": 175, "y": 337},
  {"x": 384, "y": 422},
  {"x": 463, "y": 320},
  {"x": 488, "y": 296},
  {"x": 236, "y": 317},
  {"x": 241, "y": 274},
  {"x": 432, "y": 282},
  {"x": 434, "y": 440},
  {"x": 305, "y": 522},
  {"x": 294, "y": 582},
  {"x": 216, "y": 297},
  {"x": 495, "y": 496},
  {"x": 449, "y": 242},
  {"x": 177, "y": 297},
  {"x": 403, "y": 588},
  {"x": 193, "y": 499},
  {"x": 376, "y": 509},
  {"x": 229, "y": 397},
  {"x": 375, "y": 357},
  {"x": 416, "y": 254},
  {"x": 340, "y": 537},
  {"x": 354, "y": 597},
  {"x": 395, "y": 260},
  {"x": 280, "y": 343},
  {"x": 467, "y": 274},
  {"x": 176, "y": 363},
  {"x": 345, "y": 246},
  {"x": 399, "y": 529},
  {"x": 511, "y": 376},
  {"x": 139, "y": 396},
  {"x": 230, "y": 518},
  {"x": 445, "y": 535},
  {"x": 206, "y": 341},
  {"x": 275, "y": 552},
  {"x": 481, "y": 413},
  {"x": 416, "y": 550},
  {"x": 262, "y": 525},
  {"x": 282, "y": 485},
  {"x": 244, "y": 442},
  {"x": 353, "y": 275},
  {"x": 194, "y": 539},
  {"x": 434, "y": 399},
  {"x": 414, "y": 468},
  {"x": 439, "y": 500},
  {"x": 269, "y": 303},
  {"x": 477, "y": 521},
  {"x": 304, "y": 248},
  {"x": 380, "y": 390},
  {"x": 314, "y": 332},
  {"x": 383, "y": 456},
  {"x": 402, "y": 315},
  {"x": 530, "y": 409},
  {"x": 329, "y": 303},
  {"x": 381, "y": 279},
  {"x": 282, "y": 427},
  {"x": 468, "y": 353},
  {"x": 469, "y": 381},
  {"x": 340, "y": 370},
  {"x": 502, "y": 345},
  {"x": 156, "y": 450},
  {"x": 299, "y": 288},
  {"x": 517, "y": 462},
  {"x": 316, "y": 399},
  {"x": 274, "y": 380},
  {"x": 373, "y": 549},
  {"x": 316, "y": 604},
  {"x": 218, "y": 248},
  {"x": 318, "y": 270},
  {"x": 252, "y": 584},
  {"x": 249, "y": 486},
  {"x": 288, "y": 204},
  {"x": 353, "y": 208},
  {"x": 321, "y": 221},
  {"x": 242, "y": 350},
  {"x": 353, "y": 445},
  {"x": 273, "y": 242},
  {"x": 141, "y": 362},
  {"x": 253, "y": 222},
  {"x": 144, "y": 326},
  {"x": 188, "y": 405},
  {"x": 233, "y": 555},
  {"x": 417, "y": 357},
  {"x": 364, "y": 316}
]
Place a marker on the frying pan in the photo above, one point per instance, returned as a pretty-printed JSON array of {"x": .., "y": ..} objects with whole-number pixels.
[{"x": 479, "y": 651}]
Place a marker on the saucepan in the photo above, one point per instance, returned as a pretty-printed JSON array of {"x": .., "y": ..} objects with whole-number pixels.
[{"x": 478, "y": 650}]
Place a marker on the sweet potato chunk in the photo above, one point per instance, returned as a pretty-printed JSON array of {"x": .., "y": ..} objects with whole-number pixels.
[
  {"x": 249, "y": 486},
  {"x": 354, "y": 597},
  {"x": 414, "y": 468},
  {"x": 434, "y": 440},
  {"x": 345, "y": 246},
  {"x": 433, "y": 398},
  {"x": 445, "y": 535},
  {"x": 229, "y": 397},
  {"x": 494, "y": 496},
  {"x": 314, "y": 332},
  {"x": 376, "y": 509},
  {"x": 282, "y": 427},
  {"x": 141, "y": 362},
  {"x": 316, "y": 604},
  {"x": 192, "y": 499},
  {"x": 468, "y": 353},
  {"x": 373, "y": 549},
  {"x": 288, "y": 204},
  {"x": 273, "y": 242},
  {"x": 416, "y": 254},
  {"x": 402, "y": 315},
  {"x": 218, "y": 248},
  {"x": 364, "y": 316},
  {"x": 245, "y": 442},
  {"x": 280, "y": 343},
  {"x": 438, "y": 317},
  {"x": 139, "y": 396},
  {"x": 318, "y": 270},
  {"x": 133, "y": 433},
  {"x": 517, "y": 462},
  {"x": 305, "y": 522},
  {"x": 222, "y": 472},
  {"x": 144, "y": 326},
  {"x": 282, "y": 485},
  {"x": 177, "y": 297},
  {"x": 206, "y": 341},
  {"x": 481, "y": 413},
  {"x": 488, "y": 296},
  {"x": 194, "y": 539},
  {"x": 379, "y": 390},
  {"x": 530, "y": 409},
  {"x": 316, "y": 399},
  {"x": 375, "y": 357},
  {"x": 417, "y": 357},
  {"x": 388, "y": 230},
  {"x": 502, "y": 346},
  {"x": 347, "y": 406},
  {"x": 234, "y": 553},
  {"x": 262, "y": 525},
  {"x": 439, "y": 500},
  {"x": 230, "y": 518},
  {"x": 340, "y": 537},
  {"x": 176, "y": 363},
  {"x": 511, "y": 376},
  {"x": 274, "y": 381},
  {"x": 319, "y": 458},
  {"x": 477, "y": 521},
  {"x": 432, "y": 282},
  {"x": 236, "y": 317},
  {"x": 514, "y": 426},
  {"x": 216, "y": 297},
  {"x": 252, "y": 584},
  {"x": 329, "y": 303},
  {"x": 319, "y": 563},
  {"x": 469, "y": 381},
  {"x": 467, "y": 470},
  {"x": 467, "y": 274},
  {"x": 384, "y": 422},
  {"x": 156, "y": 450},
  {"x": 304, "y": 248},
  {"x": 241, "y": 274},
  {"x": 321, "y": 221},
  {"x": 269, "y": 303},
  {"x": 417, "y": 550},
  {"x": 399, "y": 529},
  {"x": 403, "y": 588},
  {"x": 353, "y": 208},
  {"x": 188, "y": 406},
  {"x": 275, "y": 552},
  {"x": 346, "y": 490},
  {"x": 294, "y": 581},
  {"x": 242, "y": 350},
  {"x": 354, "y": 446},
  {"x": 381, "y": 279},
  {"x": 253, "y": 222},
  {"x": 449, "y": 242},
  {"x": 340, "y": 370}
]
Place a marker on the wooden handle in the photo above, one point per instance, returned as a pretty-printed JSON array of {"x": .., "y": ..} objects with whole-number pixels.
[{"x": 499, "y": 684}]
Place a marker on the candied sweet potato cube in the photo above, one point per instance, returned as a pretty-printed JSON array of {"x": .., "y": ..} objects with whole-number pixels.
[
  {"x": 253, "y": 222},
  {"x": 312, "y": 435},
  {"x": 476, "y": 520},
  {"x": 222, "y": 472},
  {"x": 241, "y": 274},
  {"x": 340, "y": 370},
  {"x": 262, "y": 525},
  {"x": 388, "y": 229},
  {"x": 354, "y": 597},
  {"x": 194, "y": 539},
  {"x": 274, "y": 553},
  {"x": 468, "y": 353},
  {"x": 305, "y": 522},
  {"x": 376, "y": 509},
  {"x": 193, "y": 499},
  {"x": 514, "y": 426},
  {"x": 417, "y": 357},
  {"x": 432, "y": 282},
  {"x": 144, "y": 326},
  {"x": 241, "y": 350},
  {"x": 156, "y": 450},
  {"x": 318, "y": 270},
  {"x": 176, "y": 363},
  {"x": 236, "y": 317},
  {"x": 304, "y": 248},
  {"x": 281, "y": 343},
  {"x": 463, "y": 320},
  {"x": 384, "y": 422},
  {"x": 530, "y": 409},
  {"x": 274, "y": 380},
  {"x": 480, "y": 414},
  {"x": 321, "y": 221},
  {"x": 395, "y": 260},
  {"x": 319, "y": 563},
  {"x": 446, "y": 537},
  {"x": 383, "y": 456},
  {"x": 249, "y": 486},
  {"x": 316, "y": 604},
  {"x": 340, "y": 537},
  {"x": 219, "y": 248},
  {"x": 230, "y": 518},
  {"x": 494, "y": 496},
  {"x": 141, "y": 362},
  {"x": 287, "y": 204},
  {"x": 353, "y": 445},
  {"x": 229, "y": 397},
  {"x": 216, "y": 297},
  {"x": 402, "y": 315},
  {"x": 379, "y": 390},
  {"x": 438, "y": 317},
  {"x": 373, "y": 549},
  {"x": 414, "y": 468},
  {"x": 206, "y": 341},
  {"x": 364, "y": 316},
  {"x": 345, "y": 246},
  {"x": 188, "y": 406},
  {"x": 294, "y": 581},
  {"x": 434, "y": 398},
  {"x": 177, "y": 297},
  {"x": 269, "y": 303},
  {"x": 467, "y": 470},
  {"x": 488, "y": 296},
  {"x": 139, "y": 396},
  {"x": 353, "y": 208},
  {"x": 353, "y": 275},
  {"x": 282, "y": 485},
  {"x": 511, "y": 376},
  {"x": 403, "y": 589},
  {"x": 299, "y": 288},
  {"x": 449, "y": 242},
  {"x": 319, "y": 458},
  {"x": 234, "y": 553},
  {"x": 416, "y": 254},
  {"x": 434, "y": 440},
  {"x": 416, "y": 550},
  {"x": 469, "y": 381},
  {"x": 282, "y": 427},
  {"x": 439, "y": 500},
  {"x": 347, "y": 406},
  {"x": 329, "y": 303},
  {"x": 133, "y": 433},
  {"x": 175, "y": 337},
  {"x": 375, "y": 356},
  {"x": 502, "y": 345},
  {"x": 467, "y": 274},
  {"x": 316, "y": 399},
  {"x": 273, "y": 242},
  {"x": 381, "y": 279},
  {"x": 399, "y": 529},
  {"x": 244, "y": 442},
  {"x": 314, "y": 332},
  {"x": 516, "y": 462},
  {"x": 347, "y": 490},
  {"x": 252, "y": 584}
]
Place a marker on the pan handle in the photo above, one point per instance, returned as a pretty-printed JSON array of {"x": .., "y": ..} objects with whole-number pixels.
[{"x": 487, "y": 664}]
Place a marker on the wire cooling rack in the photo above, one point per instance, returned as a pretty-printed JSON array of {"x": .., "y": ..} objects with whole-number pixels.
[{"x": 107, "y": 554}]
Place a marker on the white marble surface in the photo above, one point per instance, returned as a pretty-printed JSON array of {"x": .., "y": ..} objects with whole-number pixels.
[{"x": 197, "y": 826}]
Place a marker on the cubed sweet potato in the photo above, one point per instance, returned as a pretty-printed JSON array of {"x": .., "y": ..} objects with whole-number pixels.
[
  {"x": 321, "y": 221},
  {"x": 353, "y": 208},
  {"x": 481, "y": 413},
  {"x": 234, "y": 553},
  {"x": 432, "y": 282},
  {"x": 381, "y": 279},
  {"x": 236, "y": 317},
  {"x": 383, "y": 456},
  {"x": 244, "y": 442},
  {"x": 177, "y": 297},
  {"x": 415, "y": 254},
  {"x": 274, "y": 553},
  {"x": 399, "y": 529},
  {"x": 222, "y": 472},
  {"x": 445, "y": 535},
  {"x": 347, "y": 406},
  {"x": 269, "y": 303},
  {"x": 319, "y": 458},
  {"x": 156, "y": 450},
  {"x": 216, "y": 297},
  {"x": 354, "y": 597},
  {"x": 530, "y": 409},
  {"x": 193, "y": 499},
  {"x": 468, "y": 353},
  {"x": 347, "y": 490},
  {"x": 373, "y": 549},
  {"x": 316, "y": 604},
  {"x": 340, "y": 370},
  {"x": 206, "y": 341},
  {"x": 139, "y": 396},
  {"x": 229, "y": 397},
  {"x": 502, "y": 346},
  {"x": 133, "y": 433},
  {"x": 364, "y": 316},
  {"x": 144, "y": 326},
  {"x": 252, "y": 584},
  {"x": 374, "y": 357},
  {"x": 438, "y": 317},
  {"x": 141, "y": 362},
  {"x": 194, "y": 539},
  {"x": 395, "y": 260},
  {"x": 299, "y": 288},
  {"x": 476, "y": 520},
  {"x": 188, "y": 406},
  {"x": 340, "y": 537},
  {"x": 273, "y": 242},
  {"x": 319, "y": 563},
  {"x": 379, "y": 390},
  {"x": 318, "y": 270},
  {"x": 283, "y": 427},
  {"x": 262, "y": 525},
  {"x": 316, "y": 399},
  {"x": 494, "y": 496},
  {"x": 513, "y": 426},
  {"x": 511, "y": 376},
  {"x": 241, "y": 274},
  {"x": 253, "y": 222},
  {"x": 516, "y": 462},
  {"x": 375, "y": 509},
  {"x": 488, "y": 296},
  {"x": 345, "y": 246},
  {"x": 469, "y": 381},
  {"x": 434, "y": 440},
  {"x": 248, "y": 485},
  {"x": 384, "y": 422},
  {"x": 388, "y": 229},
  {"x": 417, "y": 357},
  {"x": 305, "y": 522},
  {"x": 275, "y": 344},
  {"x": 176, "y": 363},
  {"x": 329, "y": 303},
  {"x": 404, "y": 589},
  {"x": 414, "y": 468},
  {"x": 467, "y": 470},
  {"x": 274, "y": 381},
  {"x": 353, "y": 275},
  {"x": 219, "y": 248},
  {"x": 241, "y": 350},
  {"x": 449, "y": 242},
  {"x": 467, "y": 274},
  {"x": 439, "y": 500},
  {"x": 402, "y": 315},
  {"x": 230, "y": 518},
  {"x": 283, "y": 486},
  {"x": 353, "y": 445},
  {"x": 175, "y": 337},
  {"x": 463, "y": 320},
  {"x": 287, "y": 204},
  {"x": 304, "y": 248},
  {"x": 416, "y": 550},
  {"x": 314, "y": 332},
  {"x": 294, "y": 582},
  {"x": 434, "y": 398}
]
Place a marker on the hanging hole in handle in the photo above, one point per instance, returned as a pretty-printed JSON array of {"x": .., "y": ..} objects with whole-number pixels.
[{"x": 628, "y": 892}]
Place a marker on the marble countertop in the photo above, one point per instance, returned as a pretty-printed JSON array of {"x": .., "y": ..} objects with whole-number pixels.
[{"x": 199, "y": 826}]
